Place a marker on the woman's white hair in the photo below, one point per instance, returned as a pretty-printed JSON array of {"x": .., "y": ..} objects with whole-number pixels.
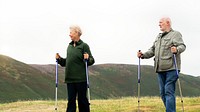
[{"x": 76, "y": 28}]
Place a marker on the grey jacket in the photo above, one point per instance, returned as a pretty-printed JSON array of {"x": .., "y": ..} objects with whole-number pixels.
[{"x": 161, "y": 49}]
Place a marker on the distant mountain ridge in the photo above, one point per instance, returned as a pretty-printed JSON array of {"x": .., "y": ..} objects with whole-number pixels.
[{"x": 20, "y": 81}]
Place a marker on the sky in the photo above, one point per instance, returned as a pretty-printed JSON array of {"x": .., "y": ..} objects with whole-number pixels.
[{"x": 33, "y": 31}]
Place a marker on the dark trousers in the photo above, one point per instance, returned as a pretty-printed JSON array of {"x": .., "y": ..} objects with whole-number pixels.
[{"x": 77, "y": 89}]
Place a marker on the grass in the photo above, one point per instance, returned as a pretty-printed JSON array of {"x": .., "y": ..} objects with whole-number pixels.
[{"x": 128, "y": 104}]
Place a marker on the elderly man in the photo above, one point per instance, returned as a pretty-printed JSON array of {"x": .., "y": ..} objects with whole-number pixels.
[
  {"x": 75, "y": 72},
  {"x": 166, "y": 43}
]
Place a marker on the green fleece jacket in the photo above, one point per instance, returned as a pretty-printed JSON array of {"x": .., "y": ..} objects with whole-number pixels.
[
  {"x": 161, "y": 50},
  {"x": 74, "y": 63}
]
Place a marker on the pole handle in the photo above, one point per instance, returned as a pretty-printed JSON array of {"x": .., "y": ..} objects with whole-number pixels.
[
  {"x": 139, "y": 51},
  {"x": 86, "y": 60}
]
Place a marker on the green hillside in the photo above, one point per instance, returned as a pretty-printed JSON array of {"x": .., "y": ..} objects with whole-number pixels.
[
  {"x": 108, "y": 80},
  {"x": 20, "y": 81}
]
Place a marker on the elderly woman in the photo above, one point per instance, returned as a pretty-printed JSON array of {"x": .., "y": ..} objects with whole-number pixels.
[{"x": 75, "y": 72}]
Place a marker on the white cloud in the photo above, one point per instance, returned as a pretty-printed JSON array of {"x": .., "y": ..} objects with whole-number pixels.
[{"x": 32, "y": 31}]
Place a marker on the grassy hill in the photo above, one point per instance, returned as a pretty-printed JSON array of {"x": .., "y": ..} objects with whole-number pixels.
[
  {"x": 121, "y": 80},
  {"x": 125, "y": 104},
  {"x": 20, "y": 81}
]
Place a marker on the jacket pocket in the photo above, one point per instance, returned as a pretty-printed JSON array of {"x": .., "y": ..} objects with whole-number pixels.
[{"x": 166, "y": 63}]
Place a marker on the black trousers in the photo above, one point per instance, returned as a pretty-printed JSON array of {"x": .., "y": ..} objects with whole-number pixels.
[{"x": 77, "y": 89}]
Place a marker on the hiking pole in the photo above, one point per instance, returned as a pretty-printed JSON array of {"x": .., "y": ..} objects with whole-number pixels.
[
  {"x": 56, "y": 104},
  {"x": 139, "y": 85},
  {"x": 87, "y": 77},
  {"x": 179, "y": 84}
]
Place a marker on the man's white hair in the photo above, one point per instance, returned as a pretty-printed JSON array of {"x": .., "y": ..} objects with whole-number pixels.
[
  {"x": 76, "y": 28},
  {"x": 167, "y": 19}
]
